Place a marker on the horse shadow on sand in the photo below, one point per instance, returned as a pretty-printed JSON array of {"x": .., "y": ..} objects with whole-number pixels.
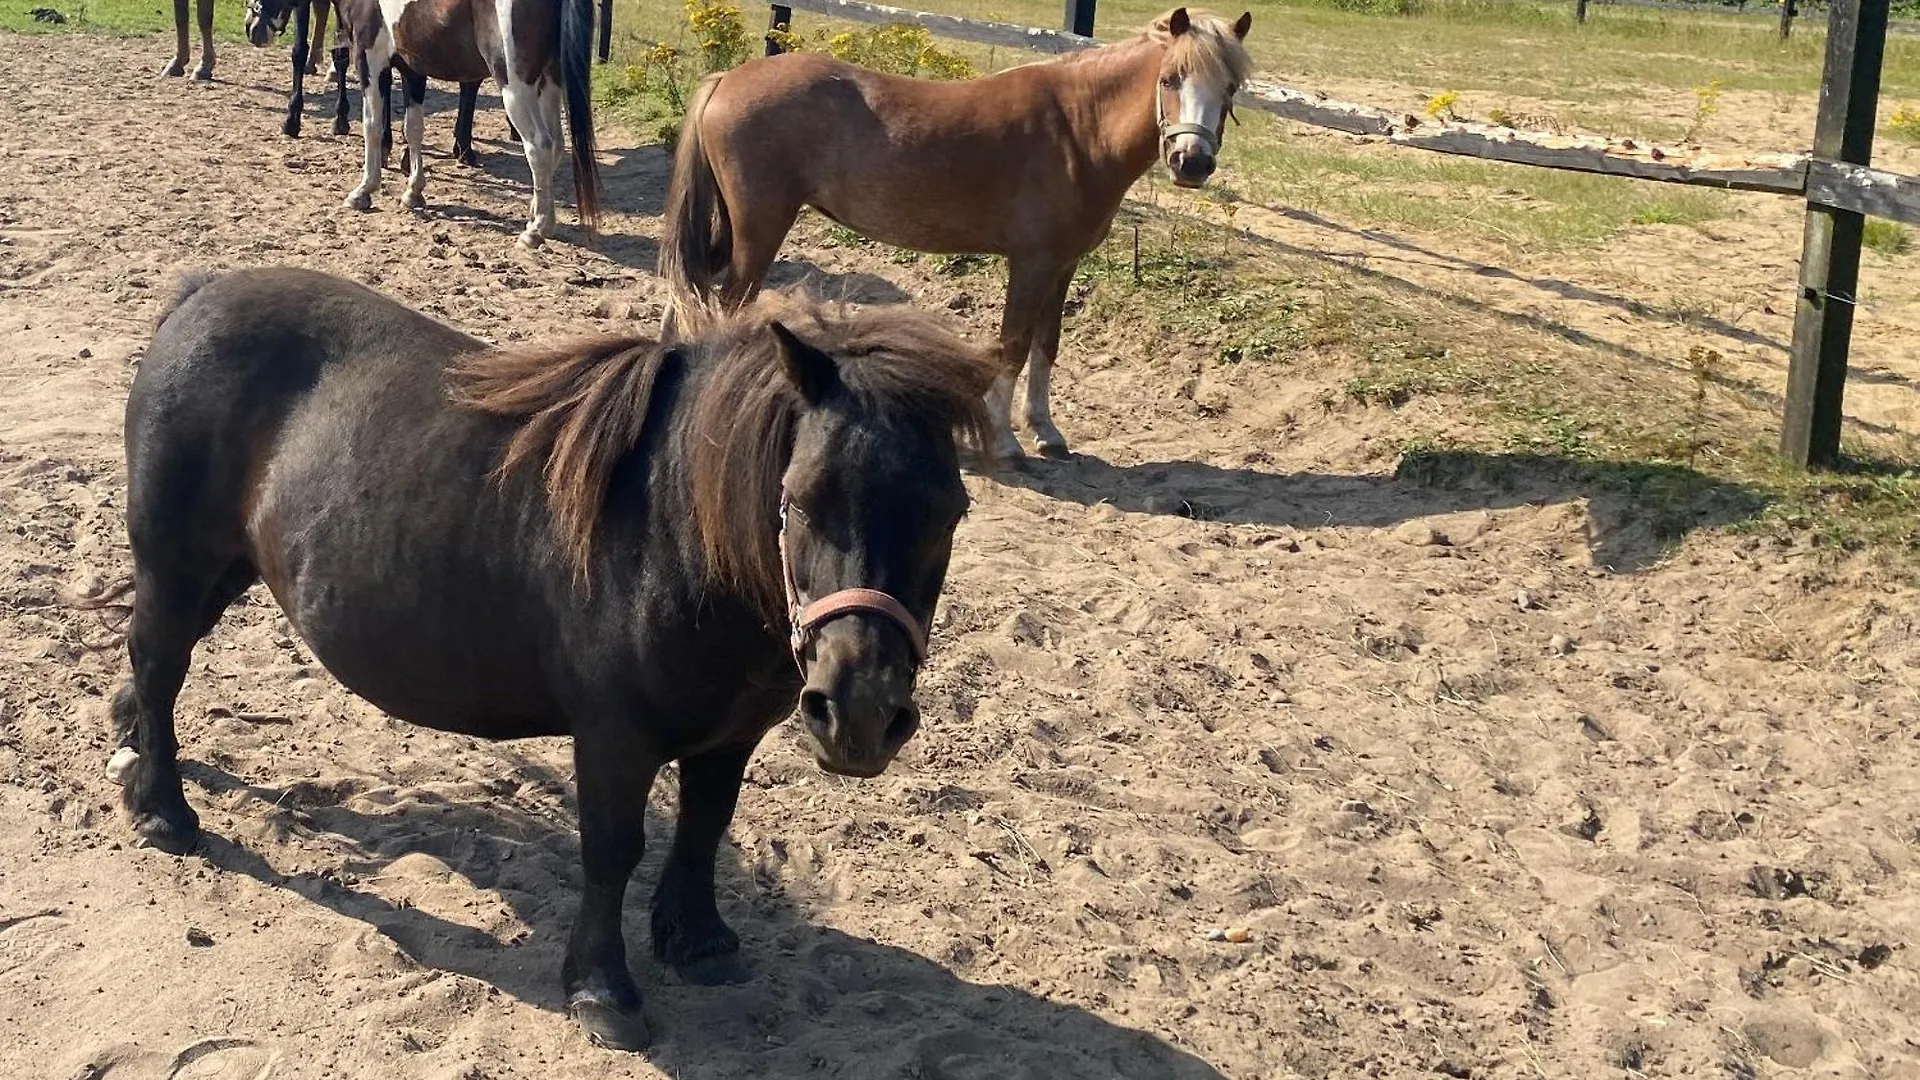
[
  {"x": 820, "y": 1003},
  {"x": 1636, "y": 511}
]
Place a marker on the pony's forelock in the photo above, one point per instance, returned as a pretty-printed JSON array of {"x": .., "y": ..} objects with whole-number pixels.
[{"x": 1208, "y": 49}]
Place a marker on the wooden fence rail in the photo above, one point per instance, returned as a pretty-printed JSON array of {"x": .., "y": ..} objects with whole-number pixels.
[{"x": 1836, "y": 178}]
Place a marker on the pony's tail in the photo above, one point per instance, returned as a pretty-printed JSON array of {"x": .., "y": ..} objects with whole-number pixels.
[
  {"x": 695, "y": 228},
  {"x": 576, "y": 78},
  {"x": 113, "y": 606}
]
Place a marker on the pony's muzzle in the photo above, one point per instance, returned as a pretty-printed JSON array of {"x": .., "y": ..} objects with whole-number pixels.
[
  {"x": 1190, "y": 168},
  {"x": 857, "y": 713},
  {"x": 261, "y": 31}
]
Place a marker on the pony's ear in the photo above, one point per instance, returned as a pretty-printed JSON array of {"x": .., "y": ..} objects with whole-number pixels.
[
  {"x": 1178, "y": 23},
  {"x": 1243, "y": 24},
  {"x": 812, "y": 372}
]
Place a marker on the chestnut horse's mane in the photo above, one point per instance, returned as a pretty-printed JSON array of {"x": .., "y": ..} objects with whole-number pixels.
[
  {"x": 583, "y": 406},
  {"x": 1208, "y": 49}
]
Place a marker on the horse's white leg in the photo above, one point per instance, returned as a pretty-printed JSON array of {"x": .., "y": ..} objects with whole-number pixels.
[
  {"x": 534, "y": 108},
  {"x": 1028, "y": 290},
  {"x": 373, "y": 108},
  {"x": 416, "y": 92},
  {"x": 1000, "y": 415},
  {"x": 1046, "y": 347}
]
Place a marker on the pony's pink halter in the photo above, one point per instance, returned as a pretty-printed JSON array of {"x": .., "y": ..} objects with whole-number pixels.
[{"x": 808, "y": 618}]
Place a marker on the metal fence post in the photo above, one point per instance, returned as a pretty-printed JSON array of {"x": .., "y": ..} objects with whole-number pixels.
[
  {"x": 1830, "y": 257},
  {"x": 606, "y": 29},
  {"x": 1079, "y": 17},
  {"x": 779, "y": 17},
  {"x": 1786, "y": 18},
  {"x": 1579, "y": 11}
]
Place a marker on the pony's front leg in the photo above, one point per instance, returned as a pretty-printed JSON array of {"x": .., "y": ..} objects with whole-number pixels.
[
  {"x": 537, "y": 114},
  {"x": 178, "y": 65},
  {"x": 302, "y": 46},
  {"x": 463, "y": 125},
  {"x": 688, "y": 932},
  {"x": 415, "y": 87},
  {"x": 1046, "y": 348},
  {"x": 1027, "y": 293},
  {"x": 205, "y": 71},
  {"x": 373, "y": 108},
  {"x": 614, "y": 776},
  {"x": 340, "y": 54}
]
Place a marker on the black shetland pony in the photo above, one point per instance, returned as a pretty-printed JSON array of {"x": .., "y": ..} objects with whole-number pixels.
[{"x": 656, "y": 549}]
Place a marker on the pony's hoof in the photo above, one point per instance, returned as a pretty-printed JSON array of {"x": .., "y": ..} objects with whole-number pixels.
[
  {"x": 468, "y": 158},
  {"x": 174, "y": 70},
  {"x": 203, "y": 74},
  {"x": 531, "y": 239},
  {"x": 416, "y": 201},
  {"x": 171, "y": 835},
  {"x": 291, "y": 129},
  {"x": 360, "y": 201},
  {"x": 1054, "y": 449},
  {"x": 341, "y": 127},
  {"x": 609, "y": 1027}
]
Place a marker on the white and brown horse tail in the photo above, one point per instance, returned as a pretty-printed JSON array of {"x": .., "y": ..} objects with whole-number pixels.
[
  {"x": 576, "y": 78},
  {"x": 695, "y": 236}
]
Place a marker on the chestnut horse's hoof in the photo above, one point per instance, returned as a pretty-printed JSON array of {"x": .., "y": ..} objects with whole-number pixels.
[
  {"x": 173, "y": 835},
  {"x": 360, "y": 200},
  {"x": 609, "y": 1027},
  {"x": 174, "y": 69},
  {"x": 203, "y": 74},
  {"x": 416, "y": 201},
  {"x": 1055, "y": 450}
]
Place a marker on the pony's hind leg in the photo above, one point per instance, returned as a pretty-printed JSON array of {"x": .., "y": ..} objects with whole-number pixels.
[
  {"x": 182, "y": 45},
  {"x": 688, "y": 932},
  {"x": 415, "y": 87},
  {"x": 1028, "y": 289},
  {"x": 205, "y": 12},
  {"x": 534, "y": 108},
  {"x": 172, "y": 611},
  {"x": 463, "y": 125},
  {"x": 1040, "y": 358},
  {"x": 614, "y": 775},
  {"x": 340, "y": 103},
  {"x": 302, "y": 51},
  {"x": 373, "y": 113}
]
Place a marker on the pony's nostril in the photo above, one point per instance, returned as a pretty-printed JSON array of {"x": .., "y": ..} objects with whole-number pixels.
[
  {"x": 906, "y": 721},
  {"x": 814, "y": 710}
]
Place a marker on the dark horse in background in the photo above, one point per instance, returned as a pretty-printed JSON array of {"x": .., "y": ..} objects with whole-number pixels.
[
  {"x": 657, "y": 550},
  {"x": 539, "y": 52}
]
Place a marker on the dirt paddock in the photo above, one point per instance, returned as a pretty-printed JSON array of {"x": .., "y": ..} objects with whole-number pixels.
[{"x": 1495, "y": 789}]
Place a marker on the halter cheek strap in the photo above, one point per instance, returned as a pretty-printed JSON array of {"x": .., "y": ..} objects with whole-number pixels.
[
  {"x": 1170, "y": 132},
  {"x": 806, "y": 620}
]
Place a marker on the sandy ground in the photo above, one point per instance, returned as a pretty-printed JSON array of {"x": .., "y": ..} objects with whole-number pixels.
[{"x": 1496, "y": 790}]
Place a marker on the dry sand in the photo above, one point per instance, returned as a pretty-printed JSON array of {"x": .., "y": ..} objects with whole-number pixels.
[{"x": 1661, "y": 820}]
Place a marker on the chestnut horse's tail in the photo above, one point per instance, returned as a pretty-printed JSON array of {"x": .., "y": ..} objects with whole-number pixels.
[
  {"x": 695, "y": 234},
  {"x": 576, "y": 79}
]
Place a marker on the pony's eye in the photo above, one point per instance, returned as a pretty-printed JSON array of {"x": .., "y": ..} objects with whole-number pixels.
[{"x": 1171, "y": 82}]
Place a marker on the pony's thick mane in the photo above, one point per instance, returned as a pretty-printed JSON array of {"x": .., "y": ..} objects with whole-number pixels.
[
  {"x": 583, "y": 406},
  {"x": 1208, "y": 49}
]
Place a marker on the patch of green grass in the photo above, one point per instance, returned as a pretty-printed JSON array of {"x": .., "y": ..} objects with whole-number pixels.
[
  {"x": 1887, "y": 237},
  {"x": 1526, "y": 208}
]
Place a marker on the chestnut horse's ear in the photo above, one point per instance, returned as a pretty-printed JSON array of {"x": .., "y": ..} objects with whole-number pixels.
[
  {"x": 812, "y": 372},
  {"x": 1177, "y": 23},
  {"x": 1243, "y": 24}
]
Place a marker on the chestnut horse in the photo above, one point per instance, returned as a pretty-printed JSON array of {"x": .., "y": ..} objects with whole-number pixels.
[
  {"x": 657, "y": 550},
  {"x": 538, "y": 52},
  {"x": 1030, "y": 164}
]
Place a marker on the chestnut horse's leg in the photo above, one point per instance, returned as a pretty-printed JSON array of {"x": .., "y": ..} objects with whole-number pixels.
[
  {"x": 613, "y": 777},
  {"x": 757, "y": 227},
  {"x": 320, "y": 10},
  {"x": 1046, "y": 347},
  {"x": 1029, "y": 286},
  {"x": 463, "y": 125},
  {"x": 178, "y": 65},
  {"x": 302, "y": 46},
  {"x": 171, "y": 612},
  {"x": 205, "y": 12},
  {"x": 373, "y": 115},
  {"x": 688, "y": 932},
  {"x": 415, "y": 86}
]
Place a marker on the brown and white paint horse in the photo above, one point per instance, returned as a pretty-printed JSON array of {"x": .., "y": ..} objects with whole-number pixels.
[
  {"x": 1030, "y": 164},
  {"x": 539, "y": 52}
]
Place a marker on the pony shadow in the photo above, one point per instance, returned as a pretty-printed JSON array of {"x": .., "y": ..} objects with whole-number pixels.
[
  {"x": 821, "y": 1002},
  {"x": 1636, "y": 511}
]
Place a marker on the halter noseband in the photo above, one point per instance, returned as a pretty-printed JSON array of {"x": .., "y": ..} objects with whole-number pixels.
[
  {"x": 1170, "y": 132},
  {"x": 806, "y": 619}
]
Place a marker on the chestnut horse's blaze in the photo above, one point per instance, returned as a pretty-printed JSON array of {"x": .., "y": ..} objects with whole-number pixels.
[
  {"x": 1030, "y": 164},
  {"x": 604, "y": 539}
]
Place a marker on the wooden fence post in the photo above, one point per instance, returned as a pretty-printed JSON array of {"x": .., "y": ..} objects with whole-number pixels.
[
  {"x": 606, "y": 29},
  {"x": 1579, "y": 11},
  {"x": 1079, "y": 17},
  {"x": 1830, "y": 258},
  {"x": 779, "y": 17},
  {"x": 1786, "y": 18}
]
